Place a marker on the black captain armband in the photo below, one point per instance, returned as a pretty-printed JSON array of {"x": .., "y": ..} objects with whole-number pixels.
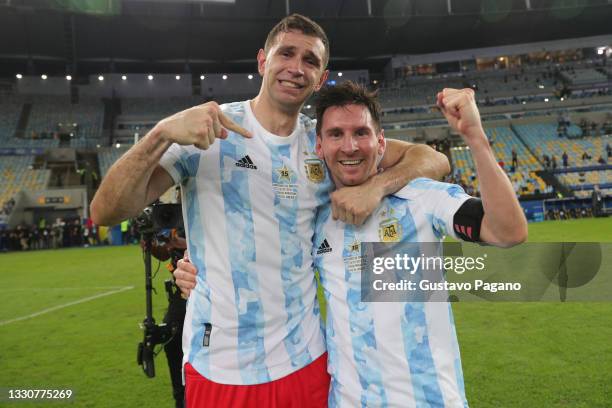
[{"x": 467, "y": 220}]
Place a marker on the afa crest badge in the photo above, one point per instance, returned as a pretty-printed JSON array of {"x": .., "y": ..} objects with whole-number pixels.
[
  {"x": 390, "y": 230},
  {"x": 314, "y": 170}
]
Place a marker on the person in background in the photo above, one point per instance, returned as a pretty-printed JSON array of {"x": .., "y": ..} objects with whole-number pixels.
[{"x": 172, "y": 247}]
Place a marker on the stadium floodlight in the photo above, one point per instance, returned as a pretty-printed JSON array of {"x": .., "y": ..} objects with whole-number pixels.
[
  {"x": 224, "y": 77},
  {"x": 150, "y": 77},
  {"x": 202, "y": 77},
  {"x": 178, "y": 77},
  {"x": 43, "y": 76},
  {"x": 100, "y": 78},
  {"x": 339, "y": 74},
  {"x": 123, "y": 77},
  {"x": 250, "y": 76},
  {"x": 68, "y": 78},
  {"x": 19, "y": 76}
]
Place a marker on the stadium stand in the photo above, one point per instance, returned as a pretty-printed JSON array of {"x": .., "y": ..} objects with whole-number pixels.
[
  {"x": 489, "y": 84},
  {"x": 543, "y": 138},
  {"x": 503, "y": 141},
  {"x": 584, "y": 76},
  {"x": 583, "y": 182},
  {"x": 51, "y": 114},
  {"x": 107, "y": 156},
  {"x": 157, "y": 108},
  {"x": 520, "y": 107},
  {"x": 587, "y": 193},
  {"x": 139, "y": 115},
  {"x": 17, "y": 174},
  {"x": 10, "y": 109}
]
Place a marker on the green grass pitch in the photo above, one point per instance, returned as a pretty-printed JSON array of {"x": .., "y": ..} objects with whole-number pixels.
[{"x": 514, "y": 354}]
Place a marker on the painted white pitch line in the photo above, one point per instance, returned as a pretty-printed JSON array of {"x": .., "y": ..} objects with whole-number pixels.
[
  {"x": 54, "y": 308},
  {"x": 73, "y": 288}
]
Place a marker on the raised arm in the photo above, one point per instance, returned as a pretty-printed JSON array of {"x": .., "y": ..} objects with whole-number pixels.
[
  {"x": 402, "y": 162},
  {"x": 137, "y": 179},
  {"x": 504, "y": 222}
]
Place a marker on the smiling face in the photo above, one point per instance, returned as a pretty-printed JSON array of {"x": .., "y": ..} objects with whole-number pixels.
[
  {"x": 292, "y": 69},
  {"x": 350, "y": 144}
]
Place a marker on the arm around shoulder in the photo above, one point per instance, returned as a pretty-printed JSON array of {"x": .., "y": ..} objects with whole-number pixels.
[
  {"x": 405, "y": 161},
  {"x": 402, "y": 162}
]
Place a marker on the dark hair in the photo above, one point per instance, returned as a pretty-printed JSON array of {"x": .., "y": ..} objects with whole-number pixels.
[
  {"x": 347, "y": 93},
  {"x": 300, "y": 23}
]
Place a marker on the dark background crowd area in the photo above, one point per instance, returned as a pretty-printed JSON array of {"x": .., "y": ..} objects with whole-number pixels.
[
  {"x": 569, "y": 214},
  {"x": 61, "y": 234}
]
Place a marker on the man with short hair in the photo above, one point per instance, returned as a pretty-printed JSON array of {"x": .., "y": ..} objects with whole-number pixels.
[
  {"x": 399, "y": 354},
  {"x": 252, "y": 335}
]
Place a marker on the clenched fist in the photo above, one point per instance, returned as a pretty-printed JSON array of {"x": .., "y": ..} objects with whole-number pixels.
[
  {"x": 459, "y": 108},
  {"x": 354, "y": 204},
  {"x": 199, "y": 126}
]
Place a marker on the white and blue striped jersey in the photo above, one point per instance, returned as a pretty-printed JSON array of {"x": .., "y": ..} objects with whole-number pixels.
[
  {"x": 249, "y": 207},
  {"x": 394, "y": 354}
]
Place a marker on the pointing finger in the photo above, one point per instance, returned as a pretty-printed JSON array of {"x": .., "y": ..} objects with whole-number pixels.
[{"x": 231, "y": 125}]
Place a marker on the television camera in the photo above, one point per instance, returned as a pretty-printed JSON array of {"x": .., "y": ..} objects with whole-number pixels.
[{"x": 153, "y": 225}]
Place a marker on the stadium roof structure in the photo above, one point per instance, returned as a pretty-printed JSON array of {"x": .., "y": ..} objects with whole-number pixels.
[{"x": 86, "y": 37}]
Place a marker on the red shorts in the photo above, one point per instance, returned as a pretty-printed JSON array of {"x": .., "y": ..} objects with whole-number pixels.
[{"x": 305, "y": 388}]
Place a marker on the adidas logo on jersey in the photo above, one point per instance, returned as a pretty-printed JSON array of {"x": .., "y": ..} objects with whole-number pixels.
[
  {"x": 246, "y": 162},
  {"x": 324, "y": 247}
]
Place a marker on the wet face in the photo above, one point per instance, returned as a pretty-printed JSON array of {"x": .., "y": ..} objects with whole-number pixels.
[
  {"x": 292, "y": 69},
  {"x": 350, "y": 144}
]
